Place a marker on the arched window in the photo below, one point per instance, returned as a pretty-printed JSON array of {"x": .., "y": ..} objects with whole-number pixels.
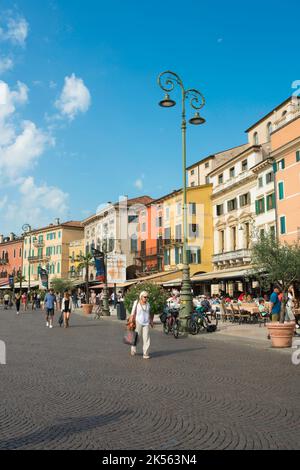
[
  {"x": 269, "y": 130},
  {"x": 255, "y": 138}
]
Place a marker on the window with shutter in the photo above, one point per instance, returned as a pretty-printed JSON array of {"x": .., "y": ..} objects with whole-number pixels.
[
  {"x": 282, "y": 225},
  {"x": 281, "y": 190},
  {"x": 298, "y": 156}
]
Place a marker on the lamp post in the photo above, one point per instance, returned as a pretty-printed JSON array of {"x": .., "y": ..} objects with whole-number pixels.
[
  {"x": 168, "y": 81},
  {"x": 105, "y": 249},
  {"x": 27, "y": 229}
]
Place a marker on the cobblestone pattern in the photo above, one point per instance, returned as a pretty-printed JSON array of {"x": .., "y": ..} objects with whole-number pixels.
[{"x": 79, "y": 389}]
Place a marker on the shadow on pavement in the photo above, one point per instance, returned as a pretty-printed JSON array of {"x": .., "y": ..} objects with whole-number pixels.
[{"x": 58, "y": 432}]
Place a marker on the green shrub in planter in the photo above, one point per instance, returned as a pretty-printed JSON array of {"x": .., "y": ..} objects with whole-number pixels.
[{"x": 157, "y": 297}]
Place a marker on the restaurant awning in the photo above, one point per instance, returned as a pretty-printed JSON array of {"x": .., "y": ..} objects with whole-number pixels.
[
  {"x": 227, "y": 274},
  {"x": 173, "y": 283}
]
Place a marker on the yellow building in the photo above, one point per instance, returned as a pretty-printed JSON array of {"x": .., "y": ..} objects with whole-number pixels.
[
  {"x": 199, "y": 229},
  {"x": 48, "y": 248},
  {"x": 76, "y": 249}
]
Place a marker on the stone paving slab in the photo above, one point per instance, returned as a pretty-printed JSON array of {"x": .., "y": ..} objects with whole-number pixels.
[{"x": 79, "y": 388}]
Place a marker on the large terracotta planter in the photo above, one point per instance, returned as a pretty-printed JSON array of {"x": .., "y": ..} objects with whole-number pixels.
[
  {"x": 281, "y": 334},
  {"x": 87, "y": 308}
]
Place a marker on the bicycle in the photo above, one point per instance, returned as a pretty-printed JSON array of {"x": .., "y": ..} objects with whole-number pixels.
[
  {"x": 97, "y": 310},
  {"x": 200, "y": 322},
  {"x": 170, "y": 321}
]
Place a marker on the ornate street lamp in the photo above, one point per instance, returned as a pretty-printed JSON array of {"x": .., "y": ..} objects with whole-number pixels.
[{"x": 167, "y": 82}]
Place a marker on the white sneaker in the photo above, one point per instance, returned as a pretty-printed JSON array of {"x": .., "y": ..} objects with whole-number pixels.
[
  {"x": 51, "y": 326},
  {"x": 47, "y": 324}
]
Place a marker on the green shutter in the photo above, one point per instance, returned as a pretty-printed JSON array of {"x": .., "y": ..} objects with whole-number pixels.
[
  {"x": 166, "y": 258},
  {"x": 188, "y": 255},
  {"x": 176, "y": 255},
  {"x": 281, "y": 190},
  {"x": 199, "y": 256},
  {"x": 283, "y": 164},
  {"x": 275, "y": 167},
  {"x": 298, "y": 156},
  {"x": 273, "y": 201},
  {"x": 256, "y": 208},
  {"x": 282, "y": 225}
]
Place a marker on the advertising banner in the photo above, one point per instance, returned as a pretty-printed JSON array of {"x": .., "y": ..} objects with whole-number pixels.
[
  {"x": 43, "y": 279},
  {"x": 99, "y": 264},
  {"x": 116, "y": 269}
]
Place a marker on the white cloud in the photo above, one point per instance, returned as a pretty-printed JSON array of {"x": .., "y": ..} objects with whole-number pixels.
[
  {"x": 10, "y": 99},
  {"x": 16, "y": 31},
  {"x": 139, "y": 184},
  {"x": 34, "y": 204},
  {"x": 6, "y": 64},
  {"x": 52, "y": 85},
  {"x": 74, "y": 99},
  {"x": 23, "y": 153}
]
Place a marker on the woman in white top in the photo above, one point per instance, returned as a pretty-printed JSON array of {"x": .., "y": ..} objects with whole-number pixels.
[{"x": 143, "y": 319}]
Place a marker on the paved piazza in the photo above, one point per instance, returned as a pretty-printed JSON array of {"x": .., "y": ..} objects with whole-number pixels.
[{"x": 80, "y": 389}]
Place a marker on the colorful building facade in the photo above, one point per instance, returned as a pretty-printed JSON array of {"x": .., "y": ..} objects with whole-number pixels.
[
  {"x": 11, "y": 249},
  {"x": 48, "y": 248}
]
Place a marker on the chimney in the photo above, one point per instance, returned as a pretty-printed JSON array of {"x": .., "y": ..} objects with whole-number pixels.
[
  {"x": 11, "y": 237},
  {"x": 57, "y": 221},
  {"x": 1, "y": 238}
]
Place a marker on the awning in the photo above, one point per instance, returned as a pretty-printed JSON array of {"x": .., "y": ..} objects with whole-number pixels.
[
  {"x": 174, "y": 283},
  {"x": 227, "y": 274},
  {"x": 24, "y": 285}
]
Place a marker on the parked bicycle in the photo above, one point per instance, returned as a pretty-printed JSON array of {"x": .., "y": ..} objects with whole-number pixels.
[
  {"x": 201, "y": 321},
  {"x": 170, "y": 321}
]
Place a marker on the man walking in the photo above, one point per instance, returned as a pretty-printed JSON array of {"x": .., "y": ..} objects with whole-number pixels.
[
  {"x": 275, "y": 305},
  {"x": 49, "y": 304}
]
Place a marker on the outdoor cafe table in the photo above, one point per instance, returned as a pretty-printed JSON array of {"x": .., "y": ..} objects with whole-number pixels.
[{"x": 252, "y": 308}]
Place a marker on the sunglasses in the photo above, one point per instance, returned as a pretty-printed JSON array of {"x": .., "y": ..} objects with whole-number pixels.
[{"x": 145, "y": 297}]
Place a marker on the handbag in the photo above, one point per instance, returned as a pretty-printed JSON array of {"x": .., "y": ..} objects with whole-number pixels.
[
  {"x": 131, "y": 322},
  {"x": 61, "y": 319},
  {"x": 130, "y": 338}
]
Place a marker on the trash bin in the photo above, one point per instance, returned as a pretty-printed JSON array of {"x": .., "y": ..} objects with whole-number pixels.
[{"x": 121, "y": 311}]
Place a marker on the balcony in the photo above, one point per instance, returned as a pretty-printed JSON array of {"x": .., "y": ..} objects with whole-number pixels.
[
  {"x": 173, "y": 242},
  {"x": 38, "y": 244},
  {"x": 150, "y": 253},
  {"x": 231, "y": 258},
  {"x": 4, "y": 261},
  {"x": 38, "y": 259},
  {"x": 292, "y": 114}
]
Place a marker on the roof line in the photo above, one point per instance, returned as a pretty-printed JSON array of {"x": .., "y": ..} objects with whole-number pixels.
[{"x": 269, "y": 114}]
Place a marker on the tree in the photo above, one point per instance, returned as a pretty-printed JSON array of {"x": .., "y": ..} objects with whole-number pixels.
[
  {"x": 157, "y": 297},
  {"x": 61, "y": 285},
  {"x": 85, "y": 262},
  {"x": 276, "y": 263}
]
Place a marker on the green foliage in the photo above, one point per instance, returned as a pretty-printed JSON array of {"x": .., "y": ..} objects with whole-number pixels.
[
  {"x": 85, "y": 261},
  {"x": 157, "y": 297},
  {"x": 276, "y": 263},
  {"x": 61, "y": 285}
]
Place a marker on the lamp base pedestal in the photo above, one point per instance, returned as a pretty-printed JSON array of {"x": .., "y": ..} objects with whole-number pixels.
[{"x": 186, "y": 298}]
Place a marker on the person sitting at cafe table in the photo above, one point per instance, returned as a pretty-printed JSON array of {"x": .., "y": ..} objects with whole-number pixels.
[{"x": 263, "y": 308}]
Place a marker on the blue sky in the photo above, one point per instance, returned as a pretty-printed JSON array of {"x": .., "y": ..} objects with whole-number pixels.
[{"x": 112, "y": 138}]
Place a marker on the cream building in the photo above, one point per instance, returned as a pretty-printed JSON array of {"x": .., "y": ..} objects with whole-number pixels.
[
  {"x": 199, "y": 173},
  {"x": 48, "y": 248},
  {"x": 118, "y": 225}
]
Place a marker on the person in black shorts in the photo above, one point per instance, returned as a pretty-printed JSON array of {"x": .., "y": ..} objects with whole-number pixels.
[
  {"x": 49, "y": 305},
  {"x": 66, "y": 308}
]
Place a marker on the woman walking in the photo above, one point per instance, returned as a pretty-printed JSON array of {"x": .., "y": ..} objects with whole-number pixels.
[
  {"x": 24, "y": 301},
  {"x": 66, "y": 308},
  {"x": 18, "y": 302},
  {"x": 142, "y": 316}
]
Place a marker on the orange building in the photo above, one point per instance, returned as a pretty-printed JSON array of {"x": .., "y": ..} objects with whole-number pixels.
[
  {"x": 285, "y": 143},
  {"x": 10, "y": 257},
  {"x": 149, "y": 258}
]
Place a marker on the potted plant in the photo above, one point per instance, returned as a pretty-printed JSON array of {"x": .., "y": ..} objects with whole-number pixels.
[
  {"x": 85, "y": 262},
  {"x": 157, "y": 297},
  {"x": 277, "y": 263}
]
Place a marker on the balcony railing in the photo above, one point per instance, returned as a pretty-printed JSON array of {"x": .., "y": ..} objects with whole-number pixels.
[
  {"x": 3, "y": 261},
  {"x": 287, "y": 117},
  {"x": 173, "y": 241},
  {"x": 37, "y": 259},
  {"x": 236, "y": 255},
  {"x": 38, "y": 244},
  {"x": 150, "y": 253}
]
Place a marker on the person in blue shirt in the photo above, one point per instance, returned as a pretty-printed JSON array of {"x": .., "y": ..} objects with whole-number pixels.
[
  {"x": 275, "y": 305},
  {"x": 49, "y": 305}
]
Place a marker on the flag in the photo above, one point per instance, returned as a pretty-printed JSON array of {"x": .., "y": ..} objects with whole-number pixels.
[{"x": 99, "y": 263}]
